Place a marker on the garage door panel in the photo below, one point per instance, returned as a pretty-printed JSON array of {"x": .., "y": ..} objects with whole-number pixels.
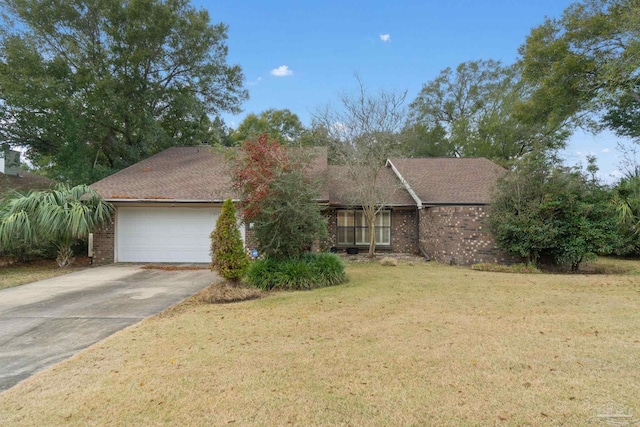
[{"x": 161, "y": 234}]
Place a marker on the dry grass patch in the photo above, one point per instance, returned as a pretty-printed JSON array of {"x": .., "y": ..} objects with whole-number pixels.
[
  {"x": 222, "y": 292},
  {"x": 413, "y": 345},
  {"x": 23, "y": 273},
  {"x": 604, "y": 265},
  {"x": 389, "y": 262},
  {"x": 501, "y": 268}
]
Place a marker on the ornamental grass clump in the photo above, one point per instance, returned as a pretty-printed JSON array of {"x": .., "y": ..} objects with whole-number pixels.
[{"x": 307, "y": 272}]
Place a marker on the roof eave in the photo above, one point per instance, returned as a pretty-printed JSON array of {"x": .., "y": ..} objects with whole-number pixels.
[
  {"x": 404, "y": 182},
  {"x": 134, "y": 200}
]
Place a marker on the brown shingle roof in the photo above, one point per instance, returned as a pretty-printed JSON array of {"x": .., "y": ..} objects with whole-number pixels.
[
  {"x": 24, "y": 182},
  {"x": 450, "y": 180},
  {"x": 342, "y": 192},
  {"x": 181, "y": 174}
]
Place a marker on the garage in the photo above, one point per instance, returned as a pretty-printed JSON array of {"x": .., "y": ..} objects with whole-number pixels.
[{"x": 164, "y": 234}]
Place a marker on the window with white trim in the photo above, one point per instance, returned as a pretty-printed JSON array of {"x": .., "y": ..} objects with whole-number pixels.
[{"x": 352, "y": 228}]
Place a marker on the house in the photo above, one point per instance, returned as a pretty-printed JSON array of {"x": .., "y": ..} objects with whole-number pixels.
[
  {"x": 13, "y": 178},
  {"x": 167, "y": 205}
]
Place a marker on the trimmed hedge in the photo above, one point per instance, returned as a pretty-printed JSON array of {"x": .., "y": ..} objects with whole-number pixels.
[{"x": 307, "y": 272}]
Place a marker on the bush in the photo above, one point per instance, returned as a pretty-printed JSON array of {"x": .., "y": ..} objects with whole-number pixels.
[
  {"x": 228, "y": 257},
  {"x": 546, "y": 213},
  {"x": 279, "y": 197},
  {"x": 307, "y": 272}
]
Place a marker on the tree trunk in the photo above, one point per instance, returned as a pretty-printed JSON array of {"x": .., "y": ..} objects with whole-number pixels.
[
  {"x": 65, "y": 255},
  {"x": 372, "y": 237}
]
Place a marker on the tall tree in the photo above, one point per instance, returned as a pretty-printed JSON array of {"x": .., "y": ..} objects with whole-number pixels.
[
  {"x": 91, "y": 86},
  {"x": 469, "y": 112},
  {"x": 584, "y": 66},
  {"x": 363, "y": 132},
  {"x": 282, "y": 125}
]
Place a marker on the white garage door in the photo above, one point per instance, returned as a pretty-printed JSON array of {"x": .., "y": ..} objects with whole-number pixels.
[{"x": 157, "y": 234}]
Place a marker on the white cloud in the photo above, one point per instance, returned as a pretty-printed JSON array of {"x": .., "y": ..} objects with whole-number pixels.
[
  {"x": 255, "y": 82},
  {"x": 339, "y": 127},
  {"x": 385, "y": 38},
  {"x": 606, "y": 150},
  {"x": 281, "y": 71}
]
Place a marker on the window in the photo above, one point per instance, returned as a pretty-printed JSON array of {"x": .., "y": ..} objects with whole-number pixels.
[{"x": 353, "y": 230}]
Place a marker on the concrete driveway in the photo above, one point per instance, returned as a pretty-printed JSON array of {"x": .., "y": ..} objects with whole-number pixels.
[{"x": 48, "y": 321}]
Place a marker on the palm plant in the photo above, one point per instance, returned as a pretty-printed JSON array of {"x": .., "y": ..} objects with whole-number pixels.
[
  {"x": 627, "y": 201},
  {"x": 59, "y": 216}
]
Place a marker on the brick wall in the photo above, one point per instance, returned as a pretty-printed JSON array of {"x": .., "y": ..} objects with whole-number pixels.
[
  {"x": 404, "y": 228},
  {"x": 332, "y": 227},
  {"x": 459, "y": 235},
  {"x": 104, "y": 243},
  {"x": 403, "y": 231}
]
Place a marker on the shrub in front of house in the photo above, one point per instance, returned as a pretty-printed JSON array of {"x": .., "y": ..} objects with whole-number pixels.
[
  {"x": 310, "y": 271},
  {"x": 228, "y": 257}
]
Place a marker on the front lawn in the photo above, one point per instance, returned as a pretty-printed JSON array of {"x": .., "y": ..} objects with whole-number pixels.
[
  {"x": 20, "y": 274},
  {"x": 422, "y": 344}
]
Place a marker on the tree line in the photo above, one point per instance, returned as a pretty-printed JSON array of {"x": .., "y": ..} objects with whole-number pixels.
[{"x": 88, "y": 88}]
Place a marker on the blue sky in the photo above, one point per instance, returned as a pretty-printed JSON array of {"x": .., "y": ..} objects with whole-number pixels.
[{"x": 300, "y": 55}]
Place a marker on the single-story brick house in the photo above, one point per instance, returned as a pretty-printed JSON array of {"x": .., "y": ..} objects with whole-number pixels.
[{"x": 167, "y": 205}]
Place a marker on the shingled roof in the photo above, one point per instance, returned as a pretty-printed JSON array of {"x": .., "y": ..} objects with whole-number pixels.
[
  {"x": 341, "y": 190},
  {"x": 24, "y": 182},
  {"x": 450, "y": 181},
  {"x": 186, "y": 174},
  {"x": 201, "y": 174}
]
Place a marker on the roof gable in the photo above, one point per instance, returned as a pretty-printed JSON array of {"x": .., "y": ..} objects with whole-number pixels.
[
  {"x": 342, "y": 192},
  {"x": 449, "y": 181}
]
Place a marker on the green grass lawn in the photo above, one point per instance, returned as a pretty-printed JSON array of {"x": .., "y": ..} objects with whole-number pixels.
[{"x": 422, "y": 344}]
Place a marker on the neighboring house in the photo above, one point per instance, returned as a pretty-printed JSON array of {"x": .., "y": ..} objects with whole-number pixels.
[
  {"x": 167, "y": 205},
  {"x": 12, "y": 178}
]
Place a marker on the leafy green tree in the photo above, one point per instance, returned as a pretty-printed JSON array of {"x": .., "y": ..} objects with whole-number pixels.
[
  {"x": 89, "y": 87},
  {"x": 290, "y": 220},
  {"x": 545, "y": 212},
  {"x": 220, "y": 133},
  {"x": 278, "y": 198},
  {"x": 281, "y": 125},
  {"x": 60, "y": 216},
  {"x": 423, "y": 140},
  {"x": 228, "y": 257},
  {"x": 469, "y": 112},
  {"x": 586, "y": 62}
]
